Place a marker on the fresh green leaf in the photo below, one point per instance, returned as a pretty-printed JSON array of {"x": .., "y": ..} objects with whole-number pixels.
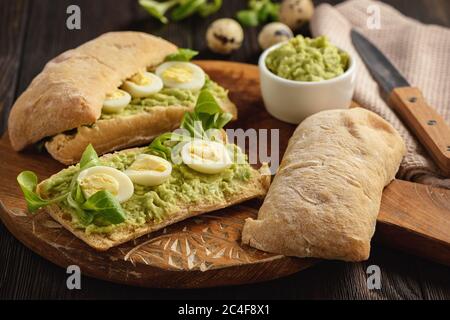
[
  {"x": 89, "y": 158},
  {"x": 186, "y": 9},
  {"x": 162, "y": 145},
  {"x": 106, "y": 207},
  {"x": 158, "y": 146},
  {"x": 263, "y": 12},
  {"x": 182, "y": 55},
  {"x": 207, "y": 115},
  {"x": 209, "y": 112},
  {"x": 78, "y": 194},
  {"x": 248, "y": 18},
  {"x": 85, "y": 218},
  {"x": 158, "y": 9},
  {"x": 209, "y": 8},
  {"x": 28, "y": 182},
  {"x": 273, "y": 12},
  {"x": 206, "y": 103},
  {"x": 257, "y": 5},
  {"x": 258, "y": 12}
]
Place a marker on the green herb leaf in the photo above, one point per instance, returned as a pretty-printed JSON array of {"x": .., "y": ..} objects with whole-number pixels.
[
  {"x": 89, "y": 158},
  {"x": 208, "y": 111},
  {"x": 186, "y": 9},
  {"x": 103, "y": 205},
  {"x": 206, "y": 103},
  {"x": 207, "y": 115},
  {"x": 248, "y": 18},
  {"x": 158, "y": 9},
  {"x": 258, "y": 12},
  {"x": 182, "y": 55},
  {"x": 210, "y": 8},
  {"x": 28, "y": 182},
  {"x": 78, "y": 194},
  {"x": 158, "y": 146}
]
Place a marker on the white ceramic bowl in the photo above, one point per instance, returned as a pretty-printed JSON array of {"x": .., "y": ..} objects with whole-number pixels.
[{"x": 292, "y": 101}]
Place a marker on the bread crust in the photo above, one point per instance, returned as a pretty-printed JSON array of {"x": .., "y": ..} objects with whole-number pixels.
[
  {"x": 257, "y": 186},
  {"x": 121, "y": 132},
  {"x": 70, "y": 90},
  {"x": 325, "y": 198}
]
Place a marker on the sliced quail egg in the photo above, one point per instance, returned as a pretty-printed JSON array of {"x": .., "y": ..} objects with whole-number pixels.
[
  {"x": 100, "y": 178},
  {"x": 206, "y": 156},
  {"x": 143, "y": 84},
  {"x": 181, "y": 75},
  {"x": 149, "y": 170},
  {"x": 117, "y": 101}
]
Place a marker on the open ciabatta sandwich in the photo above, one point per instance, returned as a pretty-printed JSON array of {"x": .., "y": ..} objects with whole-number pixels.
[
  {"x": 109, "y": 200},
  {"x": 119, "y": 90}
]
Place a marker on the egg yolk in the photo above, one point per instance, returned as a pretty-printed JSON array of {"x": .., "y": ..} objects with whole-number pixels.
[
  {"x": 115, "y": 95},
  {"x": 98, "y": 182},
  {"x": 180, "y": 74},
  {"x": 148, "y": 164},
  {"x": 203, "y": 152},
  {"x": 140, "y": 79}
]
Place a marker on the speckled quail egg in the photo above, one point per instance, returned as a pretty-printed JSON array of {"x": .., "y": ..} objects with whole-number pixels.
[
  {"x": 224, "y": 36},
  {"x": 294, "y": 13},
  {"x": 274, "y": 33}
]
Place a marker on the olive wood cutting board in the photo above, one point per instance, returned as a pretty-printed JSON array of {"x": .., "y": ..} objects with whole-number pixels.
[{"x": 205, "y": 251}]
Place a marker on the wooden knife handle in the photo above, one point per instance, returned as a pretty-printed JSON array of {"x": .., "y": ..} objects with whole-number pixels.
[{"x": 428, "y": 126}]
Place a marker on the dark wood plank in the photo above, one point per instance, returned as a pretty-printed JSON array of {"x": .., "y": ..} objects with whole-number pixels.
[{"x": 13, "y": 20}]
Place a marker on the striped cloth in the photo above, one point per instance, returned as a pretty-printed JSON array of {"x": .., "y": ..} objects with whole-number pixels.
[{"x": 421, "y": 52}]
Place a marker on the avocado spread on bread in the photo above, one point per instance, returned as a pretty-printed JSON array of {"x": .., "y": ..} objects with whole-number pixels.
[{"x": 165, "y": 98}]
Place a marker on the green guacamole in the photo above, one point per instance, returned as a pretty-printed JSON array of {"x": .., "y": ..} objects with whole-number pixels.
[
  {"x": 306, "y": 59},
  {"x": 167, "y": 97},
  {"x": 184, "y": 187}
]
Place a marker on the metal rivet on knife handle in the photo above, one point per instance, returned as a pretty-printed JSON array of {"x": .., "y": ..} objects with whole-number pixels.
[{"x": 428, "y": 126}]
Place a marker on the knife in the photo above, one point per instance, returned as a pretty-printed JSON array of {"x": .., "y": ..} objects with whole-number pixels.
[{"x": 408, "y": 102}]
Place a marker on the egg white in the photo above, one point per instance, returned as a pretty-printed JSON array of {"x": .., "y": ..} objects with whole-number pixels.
[
  {"x": 116, "y": 102},
  {"x": 137, "y": 90},
  {"x": 181, "y": 75},
  {"x": 149, "y": 170},
  {"x": 206, "y": 156},
  {"x": 125, "y": 189}
]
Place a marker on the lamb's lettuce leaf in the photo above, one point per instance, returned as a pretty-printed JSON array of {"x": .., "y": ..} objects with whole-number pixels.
[{"x": 207, "y": 116}]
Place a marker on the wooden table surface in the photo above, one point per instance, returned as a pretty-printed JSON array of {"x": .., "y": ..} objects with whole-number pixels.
[{"x": 33, "y": 31}]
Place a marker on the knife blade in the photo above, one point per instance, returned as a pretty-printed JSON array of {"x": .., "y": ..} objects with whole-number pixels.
[{"x": 408, "y": 102}]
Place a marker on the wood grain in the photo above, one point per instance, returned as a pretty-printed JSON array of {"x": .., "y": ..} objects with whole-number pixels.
[
  {"x": 25, "y": 275},
  {"x": 427, "y": 125}
]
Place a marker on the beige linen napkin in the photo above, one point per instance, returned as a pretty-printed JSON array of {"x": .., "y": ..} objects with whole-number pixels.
[{"x": 422, "y": 54}]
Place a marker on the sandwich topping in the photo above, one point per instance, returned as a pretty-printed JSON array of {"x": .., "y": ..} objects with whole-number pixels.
[{"x": 194, "y": 164}]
